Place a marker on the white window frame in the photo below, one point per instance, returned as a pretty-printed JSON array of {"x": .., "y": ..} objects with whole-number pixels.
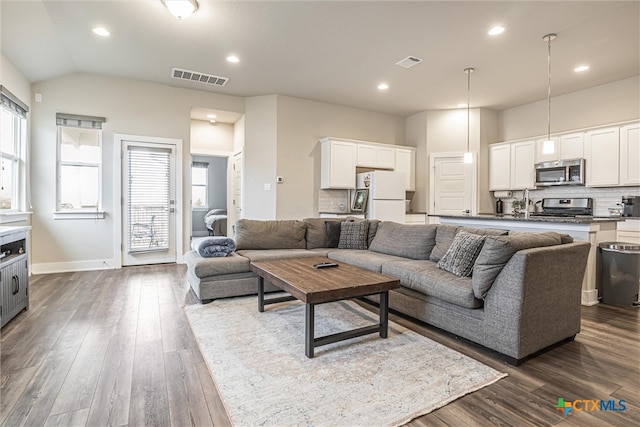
[
  {"x": 204, "y": 166},
  {"x": 78, "y": 213},
  {"x": 17, "y": 110}
]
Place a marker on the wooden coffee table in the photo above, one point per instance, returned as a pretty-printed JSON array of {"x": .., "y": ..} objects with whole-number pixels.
[{"x": 315, "y": 286}]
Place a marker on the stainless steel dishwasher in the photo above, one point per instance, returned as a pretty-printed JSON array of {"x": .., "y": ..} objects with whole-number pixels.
[{"x": 618, "y": 278}]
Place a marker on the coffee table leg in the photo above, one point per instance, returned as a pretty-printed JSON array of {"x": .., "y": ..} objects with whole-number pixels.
[
  {"x": 309, "y": 332},
  {"x": 261, "y": 294},
  {"x": 384, "y": 314}
]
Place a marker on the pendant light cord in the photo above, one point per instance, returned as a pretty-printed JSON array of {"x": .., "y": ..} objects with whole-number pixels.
[
  {"x": 549, "y": 38},
  {"x": 468, "y": 71}
]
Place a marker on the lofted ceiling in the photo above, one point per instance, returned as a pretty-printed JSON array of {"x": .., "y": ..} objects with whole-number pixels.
[{"x": 335, "y": 51}]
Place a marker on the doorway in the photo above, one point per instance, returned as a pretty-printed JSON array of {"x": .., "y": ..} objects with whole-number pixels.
[
  {"x": 453, "y": 184},
  {"x": 149, "y": 189},
  {"x": 209, "y": 195}
]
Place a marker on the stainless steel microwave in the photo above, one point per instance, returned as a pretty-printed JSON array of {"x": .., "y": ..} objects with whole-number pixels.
[{"x": 562, "y": 172}]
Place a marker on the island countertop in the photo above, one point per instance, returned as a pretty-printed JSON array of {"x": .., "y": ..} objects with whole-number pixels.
[{"x": 507, "y": 217}]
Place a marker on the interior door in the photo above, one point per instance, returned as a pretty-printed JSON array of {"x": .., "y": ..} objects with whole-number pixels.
[
  {"x": 149, "y": 220},
  {"x": 452, "y": 183}
]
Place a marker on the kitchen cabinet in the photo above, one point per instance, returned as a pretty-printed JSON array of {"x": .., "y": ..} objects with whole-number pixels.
[
  {"x": 500, "y": 166},
  {"x": 415, "y": 218},
  {"x": 375, "y": 156},
  {"x": 338, "y": 164},
  {"x": 566, "y": 147},
  {"x": 630, "y": 154},
  {"x": 602, "y": 154},
  {"x": 629, "y": 231},
  {"x": 406, "y": 163},
  {"x": 14, "y": 273},
  {"x": 522, "y": 175}
]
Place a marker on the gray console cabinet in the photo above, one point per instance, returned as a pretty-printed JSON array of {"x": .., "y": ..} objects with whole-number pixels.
[{"x": 14, "y": 274}]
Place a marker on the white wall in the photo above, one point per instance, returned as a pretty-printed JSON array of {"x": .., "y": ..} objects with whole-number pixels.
[
  {"x": 13, "y": 80},
  {"x": 301, "y": 123},
  {"x": 416, "y": 136},
  {"x": 130, "y": 107},
  {"x": 207, "y": 138},
  {"x": 238, "y": 134},
  {"x": 260, "y": 148},
  {"x": 609, "y": 103}
]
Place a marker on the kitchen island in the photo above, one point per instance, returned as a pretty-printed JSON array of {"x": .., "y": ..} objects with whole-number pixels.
[{"x": 586, "y": 228}]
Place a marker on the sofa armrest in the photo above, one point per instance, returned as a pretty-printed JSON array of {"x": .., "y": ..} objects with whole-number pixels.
[{"x": 535, "y": 300}]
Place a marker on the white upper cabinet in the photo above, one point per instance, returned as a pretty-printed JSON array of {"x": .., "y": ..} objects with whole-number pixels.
[
  {"x": 564, "y": 147},
  {"x": 602, "y": 154},
  {"x": 406, "y": 162},
  {"x": 500, "y": 166},
  {"x": 374, "y": 156},
  {"x": 630, "y": 154},
  {"x": 522, "y": 161},
  {"x": 338, "y": 164}
]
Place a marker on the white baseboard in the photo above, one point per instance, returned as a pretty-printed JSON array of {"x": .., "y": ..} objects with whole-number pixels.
[
  {"x": 65, "y": 267},
  {"x": 590, "y": 297}
]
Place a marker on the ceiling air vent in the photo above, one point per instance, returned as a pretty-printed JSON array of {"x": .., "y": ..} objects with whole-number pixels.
[
  {"x": 409, "y": 62},
  {"x": 195, "y": 76}
]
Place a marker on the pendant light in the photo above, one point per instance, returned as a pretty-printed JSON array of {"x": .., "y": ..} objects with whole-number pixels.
[
  {"x": 468, "y": 156},
  {"x": 181, "y": 9},
  {"x": 549, "y": 146}
]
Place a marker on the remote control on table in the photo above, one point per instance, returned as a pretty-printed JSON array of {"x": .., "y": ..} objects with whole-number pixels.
[{"x": 325, "y": 265}]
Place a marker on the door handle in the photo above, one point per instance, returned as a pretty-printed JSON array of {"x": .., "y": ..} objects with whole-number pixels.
[
  {"x": 466, "y": 212},
  {"x": 16, "y": 284},
  {"x": 172, "y": 210}
]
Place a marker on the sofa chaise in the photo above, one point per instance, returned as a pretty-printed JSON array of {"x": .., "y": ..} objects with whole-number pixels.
[{"x": 522, "y": 297}]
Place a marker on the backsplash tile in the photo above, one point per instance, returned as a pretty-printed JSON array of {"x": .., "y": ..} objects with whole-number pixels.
[
  {"x": 333, "y": 201},
  {"x": 603, "y": 198}
]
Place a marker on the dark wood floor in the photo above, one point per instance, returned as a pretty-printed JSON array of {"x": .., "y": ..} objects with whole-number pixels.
[{"x": 114, "y": 348}]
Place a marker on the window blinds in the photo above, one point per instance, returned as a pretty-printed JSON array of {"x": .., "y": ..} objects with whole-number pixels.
[
  {"x": 148, "y": 202},
  {"x": 76, "y": 121},
  {"x": 12, "y": 103}
]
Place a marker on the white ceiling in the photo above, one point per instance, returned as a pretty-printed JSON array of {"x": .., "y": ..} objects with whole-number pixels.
[{"x": 334, "y": 51}]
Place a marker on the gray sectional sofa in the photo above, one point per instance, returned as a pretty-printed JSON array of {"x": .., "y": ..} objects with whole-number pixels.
[{"x": 522, "y": 298}]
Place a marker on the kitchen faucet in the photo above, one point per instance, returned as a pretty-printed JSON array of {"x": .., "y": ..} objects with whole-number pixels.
[{"x": 525, "y": 196}]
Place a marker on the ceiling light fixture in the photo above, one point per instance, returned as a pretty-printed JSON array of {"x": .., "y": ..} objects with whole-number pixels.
[
  {"x": 101, "y": 31},
  {"x": 468, "y": 156},
  {"x": 581, "y": 68},
  {"x": 181, "y": 9},
  {"x": 212, "y": 121},
  {"x": 496, "y": 30},
  {"x": 233, "y": 58},
  {"x": 549, "y": 146},
  {"x": 383, "y": 86}
]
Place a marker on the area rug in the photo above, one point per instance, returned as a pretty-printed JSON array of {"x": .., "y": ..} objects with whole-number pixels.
[{"x": 258, "y": 364}]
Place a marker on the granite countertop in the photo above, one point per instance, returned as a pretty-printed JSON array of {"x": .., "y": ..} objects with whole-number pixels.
[
  {"x": 507, "y": 217},
  {"x": 416, "y": 212},
  {"x": 341, "y": 213}
]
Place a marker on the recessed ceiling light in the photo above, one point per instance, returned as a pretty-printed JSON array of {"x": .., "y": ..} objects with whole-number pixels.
[
  {"x": 211, "y": 116},
  {"x": 581, "y": 68},
  {"x": 101, "y": 31},
  {"x": 462, "y": 105},
  {"x": 383, "y": 86},
  {"x": 233, "y": 58},
  {"x": 212, "y": 121},
  {"x": 496, "y": 30}
]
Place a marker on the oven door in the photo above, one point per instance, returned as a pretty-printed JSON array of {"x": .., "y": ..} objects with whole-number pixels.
[{"x": 551, "y": 175}]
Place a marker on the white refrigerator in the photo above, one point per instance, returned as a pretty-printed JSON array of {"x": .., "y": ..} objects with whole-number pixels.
[{"x": 386, "y": 195}]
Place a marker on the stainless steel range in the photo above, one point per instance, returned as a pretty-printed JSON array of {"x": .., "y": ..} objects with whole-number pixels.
[{"x": 566, "y": 207}]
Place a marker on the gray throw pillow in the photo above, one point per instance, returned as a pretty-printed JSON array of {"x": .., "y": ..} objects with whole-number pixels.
[
  {"x": 461, "y": 255},
  {"x": 444, "y": 238},
  {"x": 333, "y": 233},
  {"x": 404, "y": 240},
  {"x": 353, "y": 235}
]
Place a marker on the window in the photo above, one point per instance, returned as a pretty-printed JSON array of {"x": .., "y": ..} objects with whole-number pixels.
[
  {"x": 79, "y": 163},
  {"x": 199, "y": 185},
  {"x": 13, "y": 144}
]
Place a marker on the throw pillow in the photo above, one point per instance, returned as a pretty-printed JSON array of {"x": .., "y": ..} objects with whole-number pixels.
[
  {"x": 444, "y": 237},
  {"x": 353, "y": 235},
  {"x": 462, "y": 254},
  {"x": 333, "y": 233}
]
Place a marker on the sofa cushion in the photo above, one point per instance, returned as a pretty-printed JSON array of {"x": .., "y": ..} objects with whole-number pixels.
[
  {"x": 408, "y": 241},
  {"x": 444, "y": 237},
  {"x": 462, "y": 254},
  {"x": 274, "y": 254},
  {"x": 498, "y": 250},
  {"x": 353, "y": 235},
  {"x": 207, "y": 267},
  {"x": 273, "y": 234},
  {"x": 333, "y": 229},
  {"x": 426, "y": 278},
  {"x": 368, "y": 260},
  {"x": 316, "y": 235},
  {"x": 485, "y": 231}
]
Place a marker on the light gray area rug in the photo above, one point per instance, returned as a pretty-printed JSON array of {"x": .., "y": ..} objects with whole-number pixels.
[{"x": 258, "y": 364}]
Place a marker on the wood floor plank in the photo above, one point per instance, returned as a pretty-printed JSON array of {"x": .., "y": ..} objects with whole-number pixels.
[
  {"x": 149, "y": 401},
  {"x": 110, "y": 405},
  {"x": 69, "y": 419},
  {"x": 13, "y": 385}
]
